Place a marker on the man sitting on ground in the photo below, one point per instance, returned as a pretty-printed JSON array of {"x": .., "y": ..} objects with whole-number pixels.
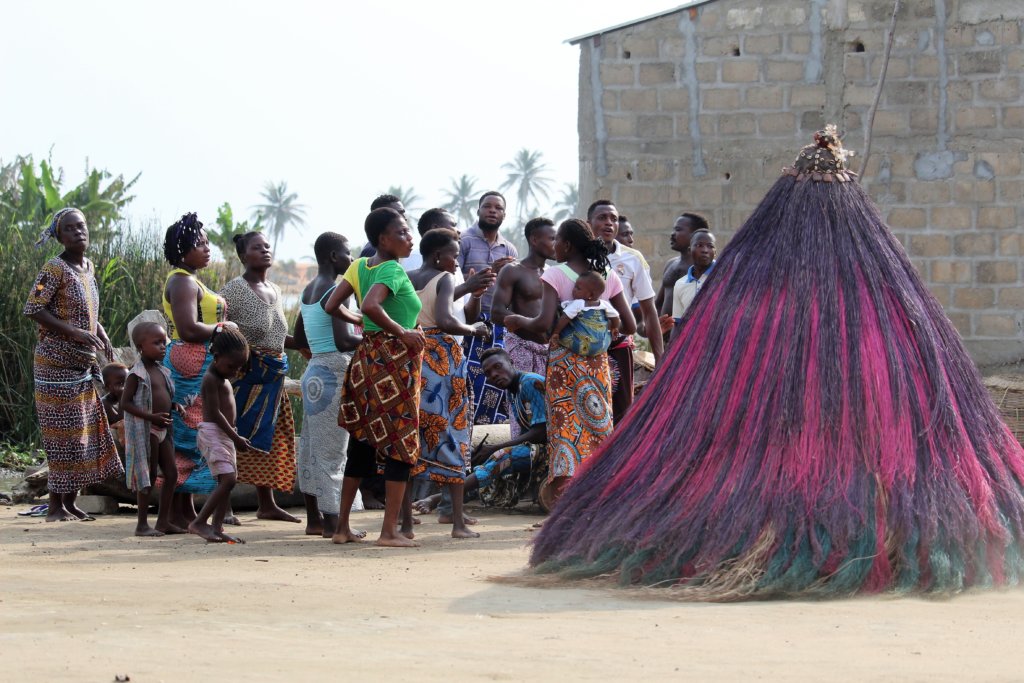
[{"x": 526, "y": 396}]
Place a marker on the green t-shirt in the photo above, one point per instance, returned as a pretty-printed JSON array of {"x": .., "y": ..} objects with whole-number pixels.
[{"x": 402, "y": 305}]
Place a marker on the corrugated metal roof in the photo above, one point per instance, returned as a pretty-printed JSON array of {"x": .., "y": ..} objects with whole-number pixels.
[{"x": 634, "y": 22}]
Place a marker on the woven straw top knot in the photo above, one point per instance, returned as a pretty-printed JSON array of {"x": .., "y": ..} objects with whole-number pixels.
[{"x": 824, "y": 161}]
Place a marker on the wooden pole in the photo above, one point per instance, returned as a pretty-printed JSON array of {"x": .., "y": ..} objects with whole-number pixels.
[{"x": 878, "y": 91}]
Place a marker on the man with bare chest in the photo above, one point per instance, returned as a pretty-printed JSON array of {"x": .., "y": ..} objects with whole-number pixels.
[
  {"x": 519, "y": 290},
  {"x": 679, "y": 241}
]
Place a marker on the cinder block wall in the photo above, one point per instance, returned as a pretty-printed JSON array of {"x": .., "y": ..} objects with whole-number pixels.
[{"x": 698, "y": 110}]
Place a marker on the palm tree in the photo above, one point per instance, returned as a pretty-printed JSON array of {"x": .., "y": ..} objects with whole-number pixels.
[
  {"x": 526, "y": 174},
  {"x": 462, "y": 199},
  {"x": 408, "y": 197},
  {"x": 281, "y": 209},
  {"x": 567, "y": 204}
]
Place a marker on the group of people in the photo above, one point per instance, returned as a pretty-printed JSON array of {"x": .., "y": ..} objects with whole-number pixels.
[{"x": 407, "y": 351}]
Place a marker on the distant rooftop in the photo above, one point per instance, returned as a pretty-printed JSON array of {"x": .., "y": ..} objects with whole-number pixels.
[{"x": 634, "y": 22}]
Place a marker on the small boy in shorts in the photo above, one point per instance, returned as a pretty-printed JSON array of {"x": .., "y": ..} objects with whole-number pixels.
[
  {"x": 591, "y": 321},
  {"x": 147, "y": 404},
  {"x": 114, "y": 376},
  {"x": 218, "y": 438}
]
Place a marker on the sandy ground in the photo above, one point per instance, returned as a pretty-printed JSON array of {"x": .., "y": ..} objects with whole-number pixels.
[{"x": 88, "y": 601}]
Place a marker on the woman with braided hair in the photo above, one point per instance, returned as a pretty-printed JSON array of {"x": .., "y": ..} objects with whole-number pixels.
[
  {"x": 579, "y": 397},
  {"x": 194, "y": 313},
  {"x": 65, "y": 302}
]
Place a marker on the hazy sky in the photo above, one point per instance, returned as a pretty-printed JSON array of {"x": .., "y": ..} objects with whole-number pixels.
[{"x": 208, "y": 100}]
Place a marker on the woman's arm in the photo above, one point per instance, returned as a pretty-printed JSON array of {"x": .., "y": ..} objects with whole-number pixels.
[
  {"x": 183, "y": 293},
  {"x": 333, "y": 306},
  {"x": 444, "y": 316},
  {"x": 299, "y": 337},
  {"x": 374, "y": 310},
  {"x": 541, "y": 325},
  {"x": 55, "y": 324}
]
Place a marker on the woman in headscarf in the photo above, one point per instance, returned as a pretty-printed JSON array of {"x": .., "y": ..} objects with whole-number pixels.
[{"x": 65, "y": 302}]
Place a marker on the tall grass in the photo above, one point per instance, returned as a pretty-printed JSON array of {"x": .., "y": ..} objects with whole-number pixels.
[{"x": 130, "y": 272}]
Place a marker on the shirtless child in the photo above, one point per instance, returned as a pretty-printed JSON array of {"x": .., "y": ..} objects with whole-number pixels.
[
  {"x": 114, "y": 376},
  {"x": 217, "y": 438},
  {"x": 146, "y": 403}
]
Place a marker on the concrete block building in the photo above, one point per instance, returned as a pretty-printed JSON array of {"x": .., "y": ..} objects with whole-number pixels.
[{"x": 699, "y": 107}]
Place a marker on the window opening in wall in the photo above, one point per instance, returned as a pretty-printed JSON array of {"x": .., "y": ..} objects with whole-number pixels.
[
  {"x": 629, "y": 175},
  {"x": 735, "y": 52},
  {"x": 728, "y": 176},
  {"x": 857, "y": 46},
  {"x": 625, "y": 54}
]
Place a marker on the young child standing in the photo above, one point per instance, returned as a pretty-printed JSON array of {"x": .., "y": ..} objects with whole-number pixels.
[
  {"x": 147, "y": 405},
  {"x": 593, "y": 320},
  {"x": 218, "y": 439},
  {"x": 114, "y": 376}
]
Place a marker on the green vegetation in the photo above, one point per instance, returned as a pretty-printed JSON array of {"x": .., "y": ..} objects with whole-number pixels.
[{"x": 130, "y": 272}]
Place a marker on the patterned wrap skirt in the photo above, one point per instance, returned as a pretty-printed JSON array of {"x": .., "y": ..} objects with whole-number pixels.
[
  {"x": 579, "y": 408},
  {"x": 323, "y": 446},
  {"x": 76, "y": 437},
  {"x": 188, "y": 362},
  {"x": 444, "y": 410},
  {"x": 380, "y": 402},
  {"x": 265, "y": 418},
  {"x": 490, "y": 405}
]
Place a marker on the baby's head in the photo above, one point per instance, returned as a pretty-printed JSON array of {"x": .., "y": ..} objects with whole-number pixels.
[
  {"x": 151, "y": 340},
  {"x": 114, "y": 377},
  {"x": 589, "y": 286},
  {"x": 230, "y": 352}
]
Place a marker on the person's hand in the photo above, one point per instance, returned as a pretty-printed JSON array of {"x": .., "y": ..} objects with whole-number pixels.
[
  {"x": 306, "y": 353},
  {"x": 513, "y": 323},
  {"x": 480, "y": 282},
  {"x": 87, "y": 339},
  {"x": 414, "y": 340},
  {"x": 243, "y": 444},
  {"x": 501, "y": 263},
  {"x": 178, "y": 408},
  {"x": 161, "y": 419},
  {"x": 553, "y": 339},
  {"x": 481, "y": 454},
  {"x": 666, "y": 322},
  {"x": 481, "y": 329}
]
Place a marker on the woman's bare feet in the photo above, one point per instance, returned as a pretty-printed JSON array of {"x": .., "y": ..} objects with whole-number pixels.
[
  {"x": 348, "y": 536},
  {"x": 396, "y": 541},
  {"x": 464, "y": 533},
  {"x": 314, "y": 529},
  {"x": 447, "y": 519},
  {"x": 371, "y": 502},
  {"x": 231, "y": 520},
  {"x": 277, "y": 514},
  {"x": 168, "y": 529},
  {"x": 147, "y": 531},
  {"x": 60, "y": 515},
  {"x": 80, "y": 514},
  {"x": 224, "y": 538},
  {"x": 206, "y": 531}
]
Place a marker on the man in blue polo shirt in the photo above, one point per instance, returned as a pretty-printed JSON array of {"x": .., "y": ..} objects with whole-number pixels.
[{"x": 481, "y": 247}]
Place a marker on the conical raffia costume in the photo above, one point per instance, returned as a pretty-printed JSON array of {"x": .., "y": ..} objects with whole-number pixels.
[{"x": 817, "y": 429}]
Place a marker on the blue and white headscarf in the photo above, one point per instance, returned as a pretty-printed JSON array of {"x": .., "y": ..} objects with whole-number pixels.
[{"x": 50, "y": 232}]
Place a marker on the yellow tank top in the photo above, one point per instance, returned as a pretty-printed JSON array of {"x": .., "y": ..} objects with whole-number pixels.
[{"x": 212, "y": 307}]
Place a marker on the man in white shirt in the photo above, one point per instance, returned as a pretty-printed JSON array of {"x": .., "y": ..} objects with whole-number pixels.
[{"x": 632, "y": 269}]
